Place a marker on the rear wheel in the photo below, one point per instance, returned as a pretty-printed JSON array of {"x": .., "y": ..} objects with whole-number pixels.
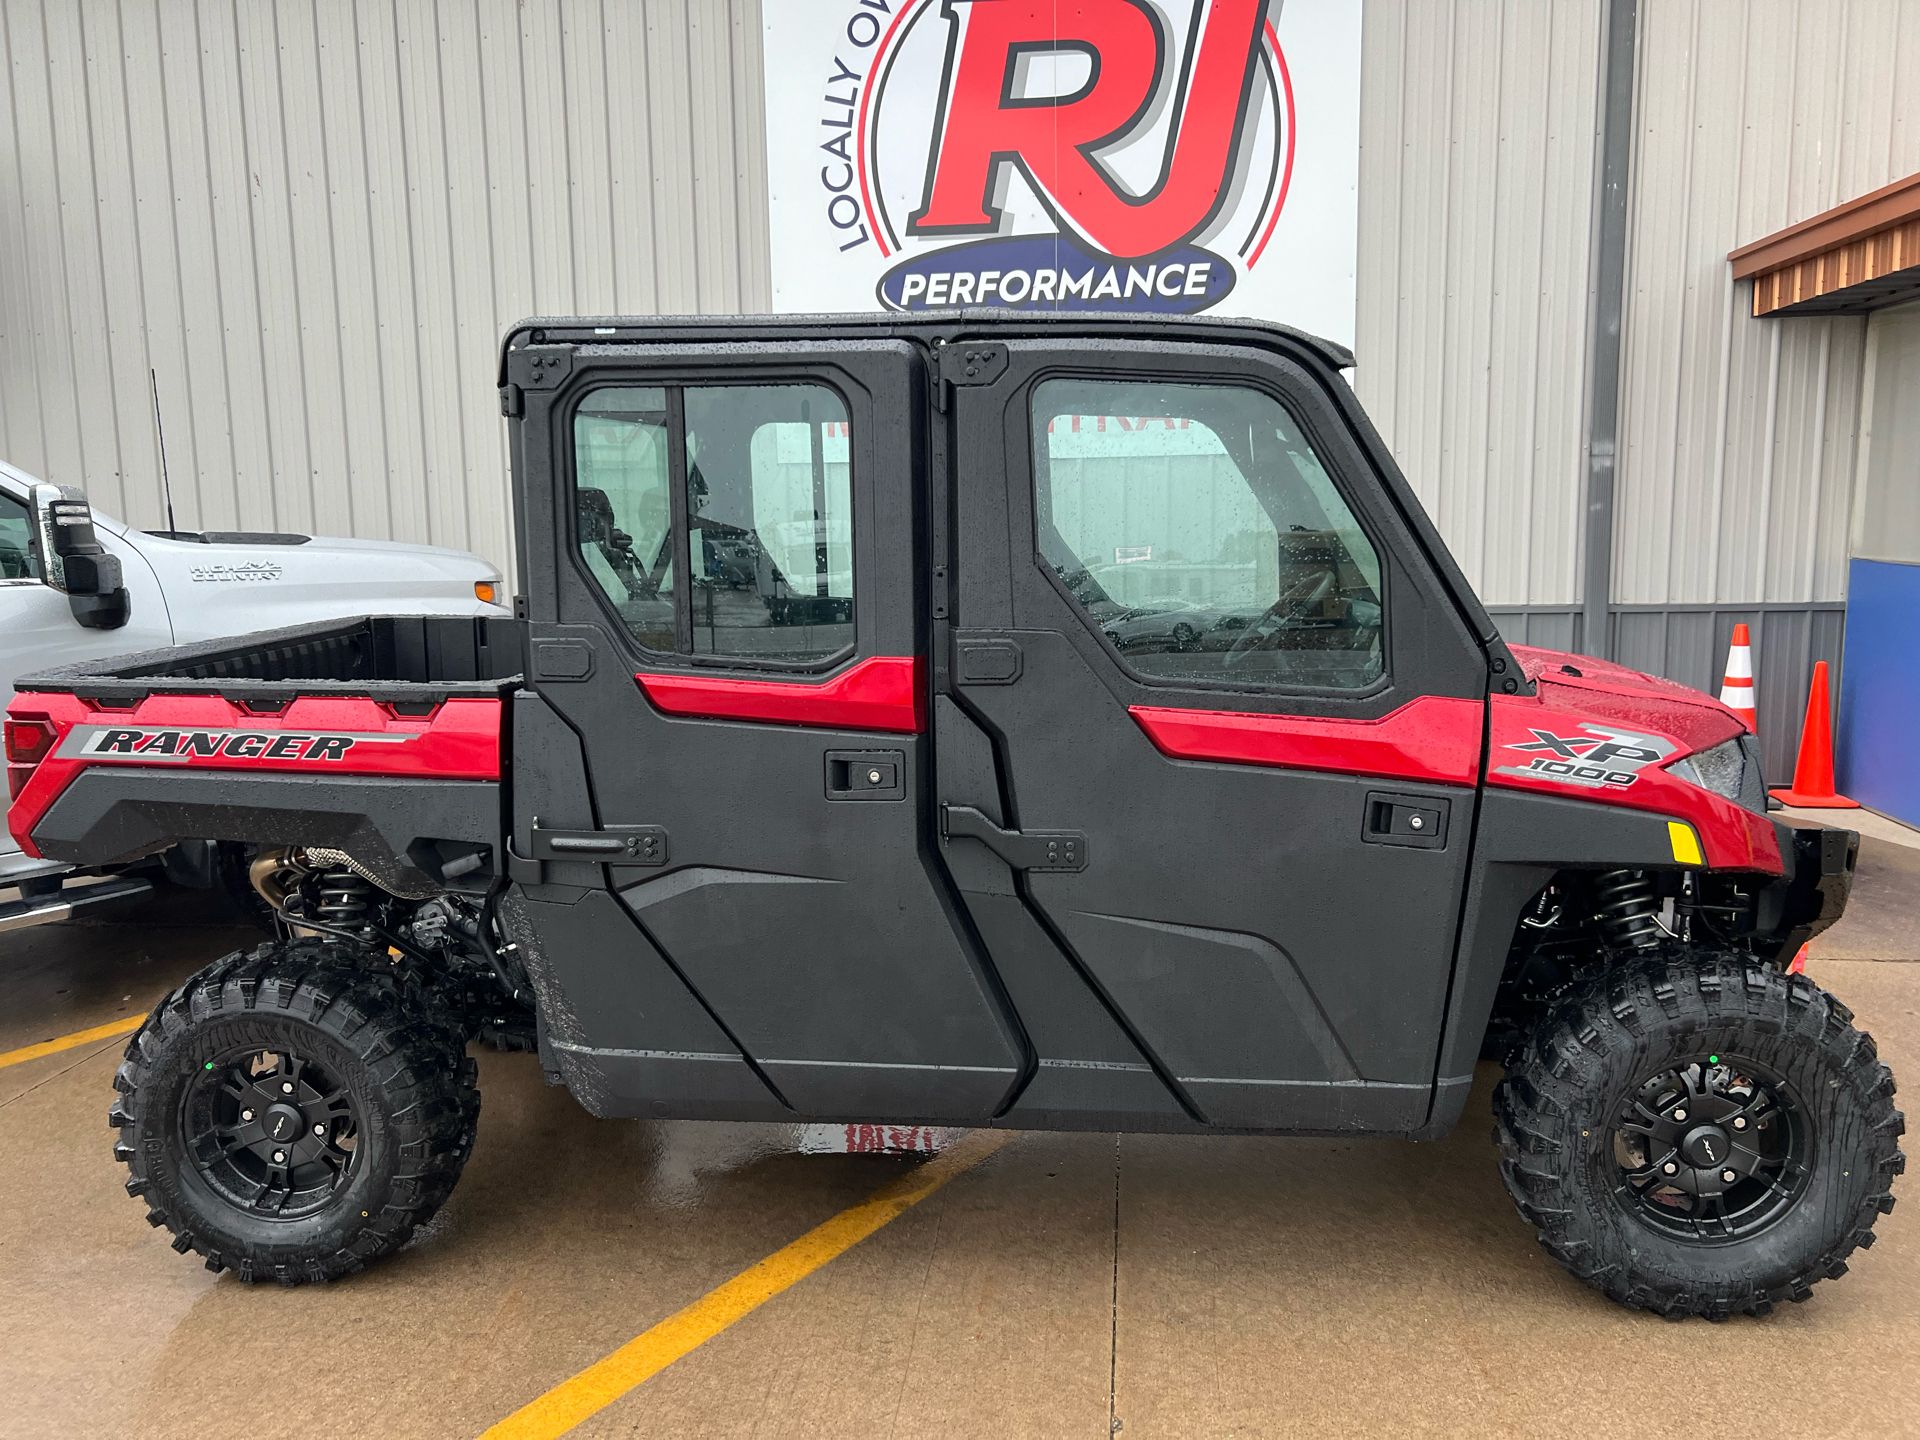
[
  {"x": 295, "y": 1111},
  {"x": 1699, "y": 1134}
]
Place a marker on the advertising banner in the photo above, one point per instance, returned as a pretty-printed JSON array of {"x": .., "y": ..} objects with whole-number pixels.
[{"x": 1170, "y": 156}]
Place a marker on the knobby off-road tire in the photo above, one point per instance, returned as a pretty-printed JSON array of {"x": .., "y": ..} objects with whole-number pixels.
[
  {"x": 1600, "y": 1051},
  {"x": 376, "y": 1063}
]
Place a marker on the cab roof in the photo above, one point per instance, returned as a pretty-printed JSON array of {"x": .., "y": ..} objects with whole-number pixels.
[{"x": 927, "y": 326}]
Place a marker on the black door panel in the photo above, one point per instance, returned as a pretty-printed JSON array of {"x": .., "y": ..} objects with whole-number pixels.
[
  {"x": 620, "y": 1024},
  {"x": 801, "y": 905},
  {"x": 851, "y": 1005},
  {"x": 1233, "y": 856},
  {"x": 1089, "y": 1070},
  {"x": 1272, "y": 968}
]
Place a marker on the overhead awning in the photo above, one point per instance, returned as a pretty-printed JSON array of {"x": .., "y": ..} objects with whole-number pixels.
[{"x": 1848, "y": 260}]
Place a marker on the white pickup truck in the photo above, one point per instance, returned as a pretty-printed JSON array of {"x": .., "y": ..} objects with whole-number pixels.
[{"x": 75, "y": 585}]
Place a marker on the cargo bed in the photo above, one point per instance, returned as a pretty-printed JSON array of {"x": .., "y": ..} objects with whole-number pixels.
[{"x": 403, "y": 659}]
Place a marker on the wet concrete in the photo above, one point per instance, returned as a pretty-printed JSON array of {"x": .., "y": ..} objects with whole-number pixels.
[{"x": 1070, "y": 1285}]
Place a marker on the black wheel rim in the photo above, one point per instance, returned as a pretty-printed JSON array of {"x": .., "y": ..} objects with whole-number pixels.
[
  {"x": 271, "y": 1132},
  {"x": 1712, "y": 1151}
]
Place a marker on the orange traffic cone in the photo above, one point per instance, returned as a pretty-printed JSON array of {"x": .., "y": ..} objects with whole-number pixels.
[
  {"x": 1813, "y": 771},
  {"x": 1736, "y": 690}
]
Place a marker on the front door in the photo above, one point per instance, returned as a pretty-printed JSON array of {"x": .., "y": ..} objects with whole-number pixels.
[
  {"x": 739, "y": 654},
  {"x": 1209, "y": 734}
]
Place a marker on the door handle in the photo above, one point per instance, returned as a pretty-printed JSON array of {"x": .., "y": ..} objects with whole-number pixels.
[
  {"x": 615, "y": 845},
  {"x": 1044, "y": 850},
  {"x": 866, "y": 774},
  {"x": 1416, "y": 821}
]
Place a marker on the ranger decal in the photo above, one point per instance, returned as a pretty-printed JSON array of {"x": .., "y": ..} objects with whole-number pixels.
[{"x": 169, "y": 744}]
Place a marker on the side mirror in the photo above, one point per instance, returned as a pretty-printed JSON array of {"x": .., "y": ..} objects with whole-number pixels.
[{"x": 72, "y": 559}]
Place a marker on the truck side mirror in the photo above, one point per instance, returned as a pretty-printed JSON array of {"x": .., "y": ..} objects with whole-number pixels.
[{"x": 72, "y": 559}]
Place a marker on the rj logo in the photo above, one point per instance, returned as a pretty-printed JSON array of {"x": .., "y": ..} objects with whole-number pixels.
[{"x": 988, "y": 126}]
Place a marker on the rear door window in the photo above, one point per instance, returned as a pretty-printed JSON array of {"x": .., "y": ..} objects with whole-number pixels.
[{"x": 717, "y": 520}]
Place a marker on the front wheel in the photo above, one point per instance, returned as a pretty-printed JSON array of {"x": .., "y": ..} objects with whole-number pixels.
[
  {"x": 1699, "y": 1134},
  {"x": 295, "y": 1111}
]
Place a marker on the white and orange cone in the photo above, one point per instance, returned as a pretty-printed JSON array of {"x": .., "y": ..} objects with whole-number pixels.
[{"x": 1736, "y": 691}]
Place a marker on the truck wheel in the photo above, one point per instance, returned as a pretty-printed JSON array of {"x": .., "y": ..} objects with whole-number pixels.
[
  {"x": 1698, "y": 1134},
  {"x": 294, "y": 1111}
]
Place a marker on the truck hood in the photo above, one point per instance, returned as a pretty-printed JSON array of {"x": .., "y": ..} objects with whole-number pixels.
[
  {"x": 285, "y": 579},
  {"x": 1630, "y": 698}
]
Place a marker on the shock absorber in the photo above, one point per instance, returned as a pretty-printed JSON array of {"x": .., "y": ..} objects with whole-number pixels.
[
  {"x": 1626, "y": 909},
  {"x": 342, "y": 898}
]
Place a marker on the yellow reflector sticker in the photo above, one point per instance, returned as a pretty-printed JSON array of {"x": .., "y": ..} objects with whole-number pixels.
[{"x": 1686, "y": 844}]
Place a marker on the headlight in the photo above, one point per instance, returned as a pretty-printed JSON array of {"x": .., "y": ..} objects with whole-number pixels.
[{"x": 1731, "y": 769}]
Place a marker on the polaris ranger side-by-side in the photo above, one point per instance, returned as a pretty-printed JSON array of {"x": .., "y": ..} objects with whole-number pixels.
[{"x": 973, "y": 720}]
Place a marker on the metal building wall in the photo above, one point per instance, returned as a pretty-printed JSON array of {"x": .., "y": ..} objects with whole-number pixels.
[
  {"x": 1477, "y": 138},
  {"x": 1738, "y": 436},
  {"x": 313, "y": 221}
]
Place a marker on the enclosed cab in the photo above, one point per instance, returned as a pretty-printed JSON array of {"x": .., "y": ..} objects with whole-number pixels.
[{"x": 979, "y": 721}]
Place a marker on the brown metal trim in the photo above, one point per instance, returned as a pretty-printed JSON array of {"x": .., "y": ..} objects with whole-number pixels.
[
  {"x": 1866, "y": 215},
  {"x": 1875, "y": 269}
]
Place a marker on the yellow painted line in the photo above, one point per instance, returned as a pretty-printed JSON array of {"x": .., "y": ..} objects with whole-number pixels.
[
  {"x": 680, "y": 1334},
  {"x": 70, "y": 1042}
]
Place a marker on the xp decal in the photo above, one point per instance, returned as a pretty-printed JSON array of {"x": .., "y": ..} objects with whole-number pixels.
[
  {"x": 1154, "y": 155},
  {"x": 1601, "y": 758}
]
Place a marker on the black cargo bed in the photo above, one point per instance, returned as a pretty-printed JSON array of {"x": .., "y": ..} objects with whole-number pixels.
[{"x": 404, "y": 659}]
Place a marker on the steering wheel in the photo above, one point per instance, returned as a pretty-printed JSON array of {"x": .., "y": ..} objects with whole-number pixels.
[{"x": 1296, "y": 600}]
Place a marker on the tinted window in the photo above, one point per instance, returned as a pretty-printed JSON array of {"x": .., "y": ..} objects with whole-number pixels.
[
  {"x": 623, "y": 509},
  {"x": 769, "y": 514},
  {"x": 1199, "y": 532},
  {"x": 16, "y": 547},
  {"x": 759, "y": 562}
]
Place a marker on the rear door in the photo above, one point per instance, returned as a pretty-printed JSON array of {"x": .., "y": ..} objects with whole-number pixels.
[
  {"x": 1212, "y": 721},
  {"x": 739, "y": 649}
]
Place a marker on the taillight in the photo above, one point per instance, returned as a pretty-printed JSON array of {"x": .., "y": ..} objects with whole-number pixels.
[{"x": 28, "y": 743}]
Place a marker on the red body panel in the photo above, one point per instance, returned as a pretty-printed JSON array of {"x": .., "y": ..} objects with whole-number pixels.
[
  {"x": 1437, "y": 740},
  {"x": 1732, "y": 837},
  {"x": 882, "y": 692},
  {"x": 1628, "y": 698},
  {"x": 1434, "y": 738},
  {"x": 458, "y": 740}
]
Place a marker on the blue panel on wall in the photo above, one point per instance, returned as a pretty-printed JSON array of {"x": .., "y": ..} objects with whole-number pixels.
[{"x": 1878, "y": 761}]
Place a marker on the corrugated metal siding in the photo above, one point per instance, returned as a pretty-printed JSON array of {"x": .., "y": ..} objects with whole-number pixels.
[
  {"x": 313, "y": 222},
  {"x": 1738, "y": 435},
  {"x": 1477, "y": 133}
]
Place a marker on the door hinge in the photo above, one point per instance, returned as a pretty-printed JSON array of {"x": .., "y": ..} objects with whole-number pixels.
[
  {"x": 513, "y": 401},
  {"x": 1022, "y": 849},
  {"x": 972, "y": 362}
]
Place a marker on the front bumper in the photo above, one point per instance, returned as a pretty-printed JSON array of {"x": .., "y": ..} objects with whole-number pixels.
[{"x": 1813, "y": 892}]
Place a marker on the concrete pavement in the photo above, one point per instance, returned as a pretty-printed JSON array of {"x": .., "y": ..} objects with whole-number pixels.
[{"x": 1068, "y": 1285}]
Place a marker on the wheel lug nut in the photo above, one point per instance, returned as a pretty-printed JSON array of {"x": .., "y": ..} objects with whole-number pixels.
[
  {"x": 246, "y": 1114},
  {"x": 319, "y": 1129},
  {"x": 1729, "y": 1176},
  {"x": 279, "y": 1157},
  {"x": 1739, "y": 1122},
  {"x": 1671, "y": 1168},
  {"x": 1680, "y": 1114},
  {"x": 286, "y": 1087}
]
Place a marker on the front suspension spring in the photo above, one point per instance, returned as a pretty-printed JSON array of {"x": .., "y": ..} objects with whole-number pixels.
[{"x": 1626, "y": 909}]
